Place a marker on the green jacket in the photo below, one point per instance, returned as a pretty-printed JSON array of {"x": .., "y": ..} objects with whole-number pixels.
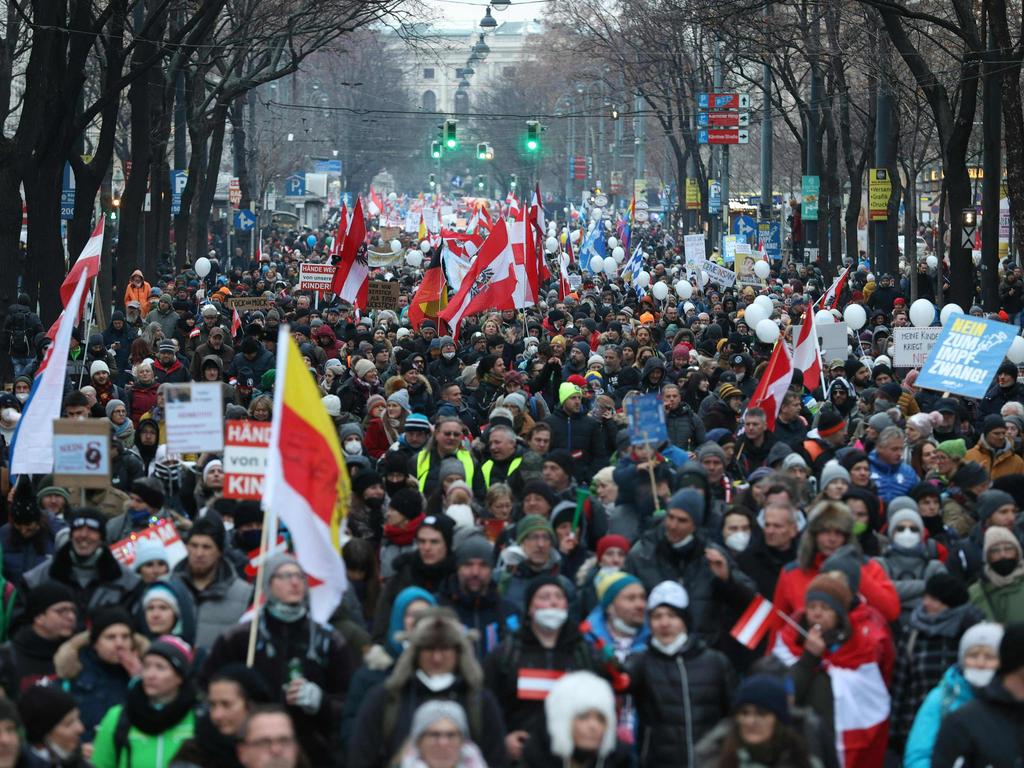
[
  {"x": 1001, "y": 604},
  {"x": 146, "y": 750}
]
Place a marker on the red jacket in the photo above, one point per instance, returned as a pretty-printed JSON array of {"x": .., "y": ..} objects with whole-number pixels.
[{"x": 875, "y": 587}]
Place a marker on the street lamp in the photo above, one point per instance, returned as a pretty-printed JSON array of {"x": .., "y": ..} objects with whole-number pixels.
[
  {"x": 488, "y": 22},
  {"x": 463, "y": 83},
  {"x": 468, "y": 69},
  {"x": 481, "y": 47},
  {"x": 501, "y": 5}
]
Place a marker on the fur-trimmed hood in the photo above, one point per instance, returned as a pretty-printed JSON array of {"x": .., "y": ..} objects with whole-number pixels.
[
  {"x": 573, "y": 695},
  {"x": 67, "y": 661},
  {"x": 437, "y": 627},
  {"x": 823, "y": 516}
]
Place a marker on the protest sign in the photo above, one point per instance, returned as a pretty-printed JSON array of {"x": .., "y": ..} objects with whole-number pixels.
[
  {"x": 718, "y": 274},
  {"x": 81, "y": 453},
  {"x": 911, "y": 346},
  {"x": 163, "y": 532},
  {"x": 249, "y": 303},
  {"x": 646, "y": 416},
  {"x": 195, "y": 417},
  {"x": 694, "y": 248},
  {"x": 315, "y": 277},
  {"x": 245, "y": 458},
  {"x": 833, "y": 340},
  {"x": 965, "y": 356},
  {"x": 382, "y": 294},
  {"x": 729, "y": 249}
]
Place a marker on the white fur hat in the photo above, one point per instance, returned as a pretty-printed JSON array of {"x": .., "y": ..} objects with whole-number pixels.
[{"x": 573, "y": 695}]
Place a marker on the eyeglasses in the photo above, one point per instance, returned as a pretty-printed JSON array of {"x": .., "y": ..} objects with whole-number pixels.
[
  {"x": 290, "y": 576},
  {"x": 281, "y": 742}
]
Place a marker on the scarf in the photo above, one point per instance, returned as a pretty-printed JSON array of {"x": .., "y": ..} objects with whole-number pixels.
[
  {"x": 154, "y": 720},
  {"x": 946, "y": 624},
  {"x": 996, "y": 580},
  {"x": 403, "y": 536}
]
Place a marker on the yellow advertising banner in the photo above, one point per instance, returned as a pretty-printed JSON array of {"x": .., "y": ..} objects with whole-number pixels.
[
  {"x": 879, "y": 192},
  {"x": 692, "y": 195}
]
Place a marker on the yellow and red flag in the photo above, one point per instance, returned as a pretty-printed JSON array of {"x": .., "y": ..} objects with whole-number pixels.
[
  {"x": 307, "y": 485},
  {"x": 432, "y": 295}
]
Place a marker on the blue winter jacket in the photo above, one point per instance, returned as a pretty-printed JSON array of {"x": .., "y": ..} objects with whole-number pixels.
[
  {"x": 952, "y": 692},
  {"x": 599, "y": 629},
  {"x": 891, "y": 481}
]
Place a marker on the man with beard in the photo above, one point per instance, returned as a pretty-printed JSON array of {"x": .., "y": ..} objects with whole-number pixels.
[{"x": 474, "y": 597}]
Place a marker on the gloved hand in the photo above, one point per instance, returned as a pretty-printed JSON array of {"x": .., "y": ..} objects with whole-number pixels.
[{"x": 306, "y": 696}]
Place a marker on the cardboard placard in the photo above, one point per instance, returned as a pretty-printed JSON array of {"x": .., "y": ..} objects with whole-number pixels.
[
  {"x": 387, "y": 234},
  {"x": 81, "y": 453},
  {"x": 911, "y": 346},
  {"x": 195, "y": 417},
  {"x": 249, "y": 303},
  {"x": 163, "y": 532},
  {"x": 245, "y": 458},
  {"x": 315, "y": 277},
  {"x": 833, "y": 340},
  {"x": 382, "y": 294}
]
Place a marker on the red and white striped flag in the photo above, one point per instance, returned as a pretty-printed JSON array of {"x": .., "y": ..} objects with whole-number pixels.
[
  {"x": 831, "y": 297},
  {"x": 757, "y": 621},
  {"x": 806, "y": 353},
  {"x": 536, "y": 684},
  {"x": 773, "y": 384},
  {"x": 351, "y": 280},
  {"x": 564, "y": 289},
  {"x": 236, "y": 322},
  {"x": 489, "y": 283}
]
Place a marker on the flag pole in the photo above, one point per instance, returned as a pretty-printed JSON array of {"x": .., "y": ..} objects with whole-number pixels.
[
  {"x": 795, "y": 625},
  {"x": 88, "y": 328},
  {"x": 257, "y": 598}
]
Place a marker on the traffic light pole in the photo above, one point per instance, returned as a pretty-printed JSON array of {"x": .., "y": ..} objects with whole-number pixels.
[
  {"x": 992, "y": 116},
  {"x": 723, "y": 166},
  {"x": 570, "y": 161}
]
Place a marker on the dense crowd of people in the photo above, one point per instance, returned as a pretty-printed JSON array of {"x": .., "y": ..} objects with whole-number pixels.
[{"x": 528, "y": 585}]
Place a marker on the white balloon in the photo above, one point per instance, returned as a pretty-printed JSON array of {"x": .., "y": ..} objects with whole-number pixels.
[
  {"x": 705, "y": 278},
  {"x": 688, "y": 307},
  {"x": 595, "y": 214},
  {"x": 660, "y": 290},
  {"x": 823, "y": 317},
  {"x": 767, "y": 331},
  {"x": 202, "y": 266},
  {"x": 611, "y": 267},
  {"x": 765, "y": 302},
  {"x": 575, "y": 235},
  {"x": 618, "y": 254},
  {"x": 948, "y": 310},
  {"x": 932, "y": 262},
  {"x": 551, "y": 244},
  {"x": 396, "y": 246},
  {"x": 425, "y": 246},
  {"x": 414, "y": 259},
  {"x": 392, "y": 196},
  {"x": 754, "y": 314},
  {"x": 643, "y": 279},
  {"x": 922, "y": 312},
  {"x": 684, "y": 290},
  {"x": 613, "y": 242},
  {"x": 855, "y": 316},
  {"x": 1015, "y": 354},
  {"x": 762, "y": 269}
]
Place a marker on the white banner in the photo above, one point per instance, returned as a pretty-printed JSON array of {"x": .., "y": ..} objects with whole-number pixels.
[
  {"x": 718, "y": 274},
  {"x": 911, "y": 346},
  {"x": 195, "y": 418}
]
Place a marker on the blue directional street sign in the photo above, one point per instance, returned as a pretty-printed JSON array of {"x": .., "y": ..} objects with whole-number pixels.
[
  {"x": 743, "y": 227},
  {"x": 327, "y": 166},
  {"x": 770, "y": 233},
  {"x": 67, "y": 194},
  {"x": 245, "y": 220},
  {"x": 457, "y": 182},
  {"x": 295, "y": 185}
]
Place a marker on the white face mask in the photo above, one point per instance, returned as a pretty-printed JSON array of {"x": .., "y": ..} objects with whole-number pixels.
[
  {"x": 551, "y": 618},
  {"x": 353, "y": 447},
  {"x": 623, "y": 628},
  {"x": 22, "y": 396},
  {"x": 738, "y": 540},
  {"x": 979, "y": 678},
  {"x": 436, "y": 683},
  {"x": 448, "y": 355},
  {"x": 906, "y": 539},
  {"x": 672, "y": 647},
  {"x": 683, "y": 543}
]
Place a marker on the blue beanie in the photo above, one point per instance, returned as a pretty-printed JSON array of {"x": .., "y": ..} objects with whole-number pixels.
[
  {"x": 610, "y": 585},
  {"x": 691, "y": 502}
]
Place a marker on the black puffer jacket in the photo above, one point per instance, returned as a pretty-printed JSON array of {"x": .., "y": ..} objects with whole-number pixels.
[
  {"x": 715, "y": 604},
  {"x": 583, "y": 437},
  {"x": 684, "y": 428},
  {"x": 1000, "y": 742},
  {"x": 679, "y": 699}
]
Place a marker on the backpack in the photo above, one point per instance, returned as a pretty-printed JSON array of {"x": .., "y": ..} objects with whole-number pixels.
[{"x": 17, "y": 331}]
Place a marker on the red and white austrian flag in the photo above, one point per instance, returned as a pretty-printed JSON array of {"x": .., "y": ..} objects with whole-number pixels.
[
  {"x": 536, "y": 684},
  {"x": 759, "y": 618}
]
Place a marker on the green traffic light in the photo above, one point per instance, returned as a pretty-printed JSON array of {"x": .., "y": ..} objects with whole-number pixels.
[
  {"x": 532, "y": 145},
  {"x": 451, "y": 143}
]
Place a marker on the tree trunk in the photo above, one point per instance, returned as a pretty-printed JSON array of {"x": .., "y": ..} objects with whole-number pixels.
[
  {"x": 204, "y": 198},
  {"x": 240, "y": 149}
]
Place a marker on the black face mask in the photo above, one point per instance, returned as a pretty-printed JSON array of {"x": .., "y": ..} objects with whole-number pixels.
[
  {"x": 393, "y": 488},
  {"x": 933, "y": 524},
  {"x": 1003, "y": 567},
  {"x": 374, "y": 503},
  {"x": 250, "y": 540}
]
